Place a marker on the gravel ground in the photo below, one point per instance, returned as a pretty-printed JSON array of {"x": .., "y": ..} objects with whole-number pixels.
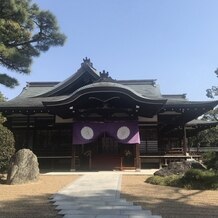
[
  {"x": 31, "y": 200},
  {"x": 168, "y": 201}
]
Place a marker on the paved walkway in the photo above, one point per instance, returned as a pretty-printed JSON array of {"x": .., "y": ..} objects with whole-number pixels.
[{"x": 97, "y": 195}]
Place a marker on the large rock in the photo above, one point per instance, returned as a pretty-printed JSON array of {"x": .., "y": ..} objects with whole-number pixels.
[
  {"x": 179, "y": 168},
  {"x": 23, "y": 167}
]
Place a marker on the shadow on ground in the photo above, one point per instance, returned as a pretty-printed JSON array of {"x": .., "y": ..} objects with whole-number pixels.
[
  {"x": 173, "y": 202},
  {"x": 31, "y": 207}
]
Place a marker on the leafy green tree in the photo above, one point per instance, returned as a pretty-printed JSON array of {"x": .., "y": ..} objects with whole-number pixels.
[
  {"x": 210, "y": 159},
  {"x": 211, "y": 115},
  {"x": 213, "y": 91},
  {"x": 205, "y": 138},
  {"x": 25, "y": 32},
  {"x": 208, "y": 137},
  {"x": 2, "y": 118}
]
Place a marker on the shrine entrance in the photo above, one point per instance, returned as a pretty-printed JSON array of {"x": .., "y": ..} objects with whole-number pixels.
[
  {"x": 106, "y": 146},
  {"x": 106, "y": 154}
]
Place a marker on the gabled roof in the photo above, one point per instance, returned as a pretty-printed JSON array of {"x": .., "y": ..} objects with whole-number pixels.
[
  {"x": 175, "y": 97},
  {"x": 201, "y": 123},
  {"x": 87, "y": 80},
  {"x": 37, "y": 92},
  {"x": 147, "y": 88},
  {"x": 85, "y": 75},
  {"x": 177, "y": 113}
]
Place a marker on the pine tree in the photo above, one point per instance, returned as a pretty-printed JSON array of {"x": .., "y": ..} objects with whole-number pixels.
[{"x": 25, "y": 32}]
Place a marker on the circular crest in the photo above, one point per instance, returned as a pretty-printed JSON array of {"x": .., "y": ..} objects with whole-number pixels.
[
  {"x": 87, "y": 132},
  {"x": 123, "y": 132}
]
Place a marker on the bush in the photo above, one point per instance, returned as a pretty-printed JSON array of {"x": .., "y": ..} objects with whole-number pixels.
[
  {"x": 210, "y": 159},
  {"x": 200, "y": 179},
  {"x": 192, "y": 179},
  {"x": 6, "y": 147},
  {"x": 173, "y": 180}
]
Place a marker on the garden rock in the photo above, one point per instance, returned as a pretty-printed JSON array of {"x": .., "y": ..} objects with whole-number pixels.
[
  {"x": 179, "y": 168},
  {"x": 23, "y": 167}
]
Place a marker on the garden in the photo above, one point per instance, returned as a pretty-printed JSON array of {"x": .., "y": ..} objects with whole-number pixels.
[{"x": 193, "y": 178}]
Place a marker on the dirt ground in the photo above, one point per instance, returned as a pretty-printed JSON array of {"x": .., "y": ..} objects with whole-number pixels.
[
  {"x": 31, "y": 200},
  {"x": 170, "y": 202}
]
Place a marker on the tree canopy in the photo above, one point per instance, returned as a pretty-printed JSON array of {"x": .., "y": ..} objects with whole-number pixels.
[
  {"x": 25, "y": 32},
  {"x": 208, "y": 137},
  {"x": 213, "y": 91},
  {"x": 2, "y": 118}
]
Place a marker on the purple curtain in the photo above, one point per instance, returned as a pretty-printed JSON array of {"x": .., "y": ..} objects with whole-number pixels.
[{"x": 123, "y": 132}]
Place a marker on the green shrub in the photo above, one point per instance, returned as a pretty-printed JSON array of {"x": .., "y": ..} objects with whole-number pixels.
[
  {"x": 210, "y": 159},
  {"x": 6, "y": 147},
  {"x": 173, "y": 180},
  {"x": 192, "y": 179},
  {"x": 200, "y": 179}
]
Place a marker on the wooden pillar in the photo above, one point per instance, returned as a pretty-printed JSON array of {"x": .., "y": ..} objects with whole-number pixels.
[
  {"x": 72, "y": 168},
  {"x": 90, "y": 160},
  {"x": 184, "y": 141},
  {"x": 27, "y": 132},
  {"x": 137, "y": 153}
]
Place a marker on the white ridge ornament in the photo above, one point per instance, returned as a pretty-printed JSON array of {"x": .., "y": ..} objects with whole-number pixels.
[
  {"x": 87, "y": 132},
  {"x": 123, "y": 132}
]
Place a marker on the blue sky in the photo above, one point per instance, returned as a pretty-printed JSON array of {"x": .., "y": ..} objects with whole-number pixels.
[{"x": 175, "y": 42}]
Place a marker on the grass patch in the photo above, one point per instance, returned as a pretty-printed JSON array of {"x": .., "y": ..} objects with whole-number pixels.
[{"x": 192, "y": 179}]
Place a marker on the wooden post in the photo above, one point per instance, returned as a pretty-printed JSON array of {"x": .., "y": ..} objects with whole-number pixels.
[
  {"x": 90, "y": 160},
  {"x": 72, "y": 168},
  {"x": 27, "y": 132},
  {"x": 137, "y": 153},
  {"x": 184, "y": 141}
]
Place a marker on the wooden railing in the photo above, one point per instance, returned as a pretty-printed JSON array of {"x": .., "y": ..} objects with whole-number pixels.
[
  {"x": 165, "y": 159},
  {"x": 203, "y": 149}
]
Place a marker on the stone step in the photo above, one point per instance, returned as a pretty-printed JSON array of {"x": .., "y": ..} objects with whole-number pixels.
[
  {"x": 88, "y": 198},
  {"x": 104, "y": 211},
  {"x": 88, "y": 203},
  {"x": 85, "y": 200},
  {"x": 97, "y": 196},
  {"x": 111, "y": 216},
  {"x": 97, "y": 207}
]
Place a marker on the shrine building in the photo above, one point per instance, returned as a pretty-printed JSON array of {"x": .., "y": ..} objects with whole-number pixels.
[{"x": 91, "y": 121}]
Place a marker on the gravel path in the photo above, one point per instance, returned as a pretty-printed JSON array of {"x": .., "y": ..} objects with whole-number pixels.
[{"x": 97, "y": 195}]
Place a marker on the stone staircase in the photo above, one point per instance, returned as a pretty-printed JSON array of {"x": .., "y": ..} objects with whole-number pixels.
[{"x": 97, "y": 195}]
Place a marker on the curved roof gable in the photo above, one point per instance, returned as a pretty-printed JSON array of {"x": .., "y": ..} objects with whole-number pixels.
[
  {"x": 108, "y": 94},
  {"x": 107, "y": 87}
]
